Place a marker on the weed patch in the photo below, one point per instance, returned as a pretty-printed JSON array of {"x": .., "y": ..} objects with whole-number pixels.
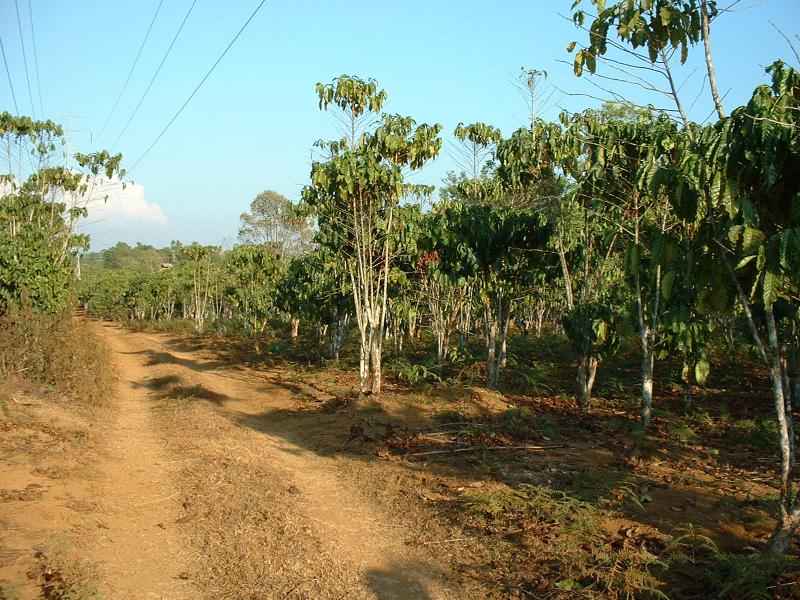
[
  {"x": 520, "y": 423},
  {"x": 60, "y": 578},
  {"x": 578, "y": 545},
  {"x": 696, "y": 561},
  {"x": 57, "y": 351},
  {"x": 761, "y": 434}
]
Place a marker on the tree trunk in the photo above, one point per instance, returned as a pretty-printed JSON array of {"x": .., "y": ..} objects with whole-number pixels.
[
  {"x": 787, "y": 400},
  {"x": 781, "y": 538},
  {"x": 689, "y": 364},
  {"x": 540, "y": 312},
  {"x": 199, "y": 320},
  {"x": 705, "y": 27},
  {"x": 338, "y": 335},
  {"x": 376, "y": 343},
  {"x": 789, "y": 511},
  {"x": 491, "y": 348},
  {"x": 465, "y": 319},
  {"x": 363, "y": 364},
  {"x": 587, "y": 369},
  {"x": 648, "y": 365},
  {"x": 505, "y": 322},
  {"x": 497, "y": 317},
  {"x": 730, "y": 339}
]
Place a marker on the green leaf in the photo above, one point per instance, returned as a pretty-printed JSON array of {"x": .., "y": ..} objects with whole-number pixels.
[
  {"x": 752, "y": 238},
  {"x": 771, "y": 288},
  {"x": 577, "y": 66},
  {"x": 632, "y": 259},
  {"x": 666, "y": 16},
  {"x": 602, "y": 332},
  {"x": 569, "y": 585},
  {"x": 591, "y": 62},
  {"x": 714, "y": 300},
  {"x": 701, "y": 371},
  {"x": 735, "y": 233}
]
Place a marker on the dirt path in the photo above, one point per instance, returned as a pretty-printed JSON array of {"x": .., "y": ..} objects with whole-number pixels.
[
  {"x": 362, "y": 538},
  {"x": 140, "y": 556}
]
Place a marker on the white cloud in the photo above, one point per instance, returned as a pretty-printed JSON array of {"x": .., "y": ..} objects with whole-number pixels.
[{"x": 118, "y": 204}]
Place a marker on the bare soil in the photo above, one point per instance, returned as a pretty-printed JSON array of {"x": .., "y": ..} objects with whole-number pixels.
[
  {"x": 187, "y": 491},
  {"x": 204, "y": 477}
]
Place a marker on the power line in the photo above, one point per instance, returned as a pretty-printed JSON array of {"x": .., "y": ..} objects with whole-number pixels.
[
  {"x": 8, "y": 74},
  {"x": 35, "y": 59},
  {"x": 199, "y": 85},
  {"x": 109, "y": 57},
  {"x": 130, "y": 73},
  {"x": 16, "y": 107},
  {"x": 158, "y": 70},
  {"x": 25, "y": 59}
]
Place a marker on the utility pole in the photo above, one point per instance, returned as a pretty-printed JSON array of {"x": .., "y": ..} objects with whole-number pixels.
[
  {"x": 530, "y": 76},
  {"x": 71, "y": 128}
]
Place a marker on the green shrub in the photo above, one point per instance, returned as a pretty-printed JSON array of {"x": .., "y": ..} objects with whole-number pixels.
[
  {"x": 616, "y": 424},
  {"x": 702, "y": 420},
  {"x": 412, "y": 374},
  {"x": 582, "y": 553},
  {"x": 520, "y": 423},
  {"x": 723, "y": 575},
  {"x": 682, "y": 432},
  {"x": 762, "y": 434},
  {"x": 449, "y": 416}
]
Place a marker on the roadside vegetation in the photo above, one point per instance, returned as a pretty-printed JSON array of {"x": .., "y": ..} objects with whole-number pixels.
[{"x": 578, "y": 359}]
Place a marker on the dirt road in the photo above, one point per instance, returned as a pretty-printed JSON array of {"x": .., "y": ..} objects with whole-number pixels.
[{"x": 210, "y": 489}]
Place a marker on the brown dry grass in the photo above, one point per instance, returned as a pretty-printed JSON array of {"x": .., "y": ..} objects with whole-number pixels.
[
  {"x": 48, "y": 448},
  {"x": 58, "y": 351},
  {"x": 54, "y": 382},
  {"x": 241, "y": 518}
]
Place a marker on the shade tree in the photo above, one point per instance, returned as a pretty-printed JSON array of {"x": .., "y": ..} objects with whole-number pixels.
[
  {"x": 40, "y": 209},
  {"x": 355, "y": 192}
]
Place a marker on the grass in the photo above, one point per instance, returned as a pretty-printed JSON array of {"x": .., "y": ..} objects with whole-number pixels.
[
  {"x": 520, "y": 423},
  {"x": 603, "y": 487},
  {"x": 769, "y": 503},
  {"x": 163, "y": 326},
  {"x": 62, "y": 578},
  {"x": 57, "y": 351},
  {"x": 241, "y": 515},
  {"x": 412, "y": 374},
  {"x": 449, "y": 416},
  {"x": 591, "y": 550},
  {"x": 697, "y": 561},
  {"x": 760, "y": 434},
  {"x": 682, "y": 433},
  {"x": 583, "y": 529},
  {"x": 581, "y": 552},
  {"x": 4, "y": 408}
]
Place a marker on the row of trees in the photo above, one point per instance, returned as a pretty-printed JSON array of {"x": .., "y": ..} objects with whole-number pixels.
[
  {"x": 609, "y": 224},
  {"x": 44, "y": 195},
  {"x": 658, "y": 221}
]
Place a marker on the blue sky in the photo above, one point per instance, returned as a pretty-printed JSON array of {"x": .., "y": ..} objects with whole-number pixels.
[{"x": 252, "y": 125}]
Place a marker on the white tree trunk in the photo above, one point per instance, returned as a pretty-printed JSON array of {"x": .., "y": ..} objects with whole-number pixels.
[{"x": 587, "y": 370}]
